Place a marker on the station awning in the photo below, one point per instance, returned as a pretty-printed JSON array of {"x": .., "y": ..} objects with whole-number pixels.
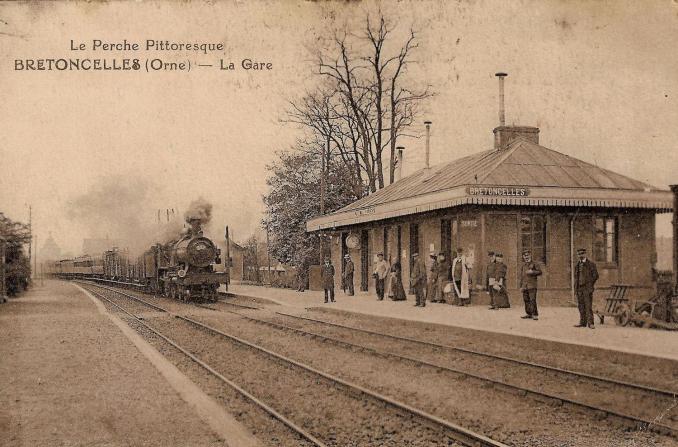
[{"x": 660, "y": 201}]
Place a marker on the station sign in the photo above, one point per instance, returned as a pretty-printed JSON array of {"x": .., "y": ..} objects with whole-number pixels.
[
  {"x": 365, "y": 211},
  {"x": 498, "y": 191}
]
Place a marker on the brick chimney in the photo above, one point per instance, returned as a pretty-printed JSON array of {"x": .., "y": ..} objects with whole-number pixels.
[{"x": 504, "y": 135}]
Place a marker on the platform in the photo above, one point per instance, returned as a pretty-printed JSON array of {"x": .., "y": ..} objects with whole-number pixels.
[
  {"x": 554, "y": 324},
  {"x": 70, "y": 376}
]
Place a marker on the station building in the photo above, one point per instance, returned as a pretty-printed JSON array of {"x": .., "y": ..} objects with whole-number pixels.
[{"x": 519, "y": 195}]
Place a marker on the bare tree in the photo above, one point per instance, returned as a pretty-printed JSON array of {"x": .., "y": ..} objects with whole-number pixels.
[
  {"x": 403, "y": 102},
  {"x": 379, "y": 107},
  {"x": 332, "y": 135}
]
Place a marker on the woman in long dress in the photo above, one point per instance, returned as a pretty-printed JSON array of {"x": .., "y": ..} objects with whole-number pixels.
[
  {"x": 396, "y": 291},
  {"x": 501, "y": 298}
]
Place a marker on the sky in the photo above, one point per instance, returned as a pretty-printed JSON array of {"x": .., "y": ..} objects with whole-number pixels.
[{"x": 600, "y": 80}]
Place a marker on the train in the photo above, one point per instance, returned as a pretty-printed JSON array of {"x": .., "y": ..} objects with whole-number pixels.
[{"x": 183, "y": 268}]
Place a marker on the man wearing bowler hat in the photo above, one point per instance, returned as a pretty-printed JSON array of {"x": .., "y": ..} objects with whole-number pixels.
[
  {"x": 349, "y": 268},
  {"x": 327, "y": 275},
  {"x": 585, "y": 277}
]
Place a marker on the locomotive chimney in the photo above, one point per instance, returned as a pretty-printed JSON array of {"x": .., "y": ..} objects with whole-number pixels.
[
  {"x": 674, "y": 221},
  {"x": 400, "y": 150},
  {"x": 196, "y": 227},
  {"x": 428, "y": 143}
]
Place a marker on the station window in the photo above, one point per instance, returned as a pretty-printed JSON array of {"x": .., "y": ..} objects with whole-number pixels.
[
  {"x": 533, "y": 235},
  {"x": 605, "y": 240}
]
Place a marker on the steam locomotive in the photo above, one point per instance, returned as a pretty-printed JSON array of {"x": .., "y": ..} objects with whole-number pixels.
[{"x": 183, "y": 268}]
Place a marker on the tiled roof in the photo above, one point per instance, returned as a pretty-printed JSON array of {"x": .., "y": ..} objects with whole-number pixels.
[{"x": 522, "y": 163}]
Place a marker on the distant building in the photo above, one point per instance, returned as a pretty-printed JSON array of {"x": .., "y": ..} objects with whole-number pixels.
[
  {"x": 237, "y": 254},
  {"x": 50, "y": 251},
  {"x": 278, "y": 273},
  {"x": 94, "y": 247}
]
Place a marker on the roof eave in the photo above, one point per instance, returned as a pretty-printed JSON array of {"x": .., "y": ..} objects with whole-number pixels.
[{"x": 660, "y": 201}]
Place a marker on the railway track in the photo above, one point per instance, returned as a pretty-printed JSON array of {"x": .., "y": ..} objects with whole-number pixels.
[
  {"x": 654, "y": 390},
  {"x": 422, "y": 425},
  {"x": 643, "y": 422},
  {"x": 259, "y": 403},
  {"x": 669, "y": 400}
]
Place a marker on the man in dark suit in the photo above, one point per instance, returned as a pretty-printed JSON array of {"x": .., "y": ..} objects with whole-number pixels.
[
  {"x": 432, "y": 284},
  {"x": 327, "y": 274},
  {"x": 529, "y": 272},
  {"x": 501, "y": 298},
  {"x": 490, "y": 277},
  {"x": 348, "y": 275},
  {"x": 585, "y": 277},
  {"x": 418, "y": 279}
]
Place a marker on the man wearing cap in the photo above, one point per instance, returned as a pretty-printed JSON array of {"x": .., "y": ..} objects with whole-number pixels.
[
  {"x": 585, "y": 277},
  {"x": 418, "y": 279},
  {"x": 501, "y": 298},
  {"x": 529, "y": 272},
  {"x": 490, "y": 277},
  {"x": 381, "y": 269},
  {"x": 327, "y": 275},
  {"x": 432, "y": 283},
  {"x": 348, "y": 275}
]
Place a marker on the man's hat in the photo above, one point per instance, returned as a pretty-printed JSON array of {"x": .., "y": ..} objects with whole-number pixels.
[
  {"x": 499, "y": 255},
  {"x": 490, "y": 253},
  {"x": 460, "y": 250},
  {"x": 442, "y": 253},
  {"x": 380, "y": 254},
  {"x": 527, "y": 252},
  {"x": 581, "y": 251}
]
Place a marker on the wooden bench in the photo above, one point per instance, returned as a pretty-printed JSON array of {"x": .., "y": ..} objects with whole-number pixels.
[{"x": 616, "y": 305}]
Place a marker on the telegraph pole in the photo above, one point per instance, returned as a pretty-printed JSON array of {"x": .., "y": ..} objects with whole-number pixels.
[
  {"x": 324, "y": 166},
  {"x": 3, "y": 295},
  {"x": 30, "y": 231},
  {"x": 268, "y": 253},
  {"x": 227, "y": 257},
  {"x": 35, "y": 260}
]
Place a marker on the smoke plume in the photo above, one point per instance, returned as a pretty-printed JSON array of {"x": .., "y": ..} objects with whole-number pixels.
[
  {"x": 122, "y": 208},
  {"x": 199, "y": 209}
]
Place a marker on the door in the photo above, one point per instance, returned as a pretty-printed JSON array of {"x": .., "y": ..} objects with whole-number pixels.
[
  {"x": 501, "y": 237},
  {"x": 469, "y": 240}
]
